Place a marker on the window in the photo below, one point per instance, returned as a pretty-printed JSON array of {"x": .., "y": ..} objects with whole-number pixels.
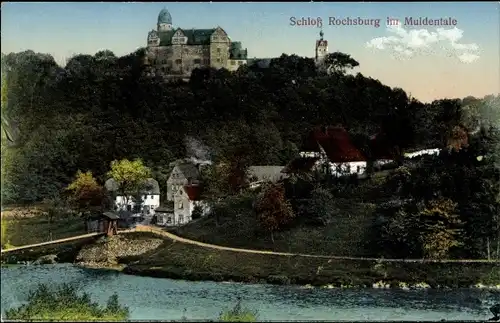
[
  {"x": 181, "y": 218},
  {"x": 178, "y": 61},
  {"x": 218, "y": 50},
  {"x": 233, "y": 62},
  {"x": 197, "y": 61},
  {"x": 173, "y": 189},
  {"x": 169, "y": 219},
  {"x": 358, "y": 169},
  {"x": 218, "y": 60},
  {"x": 129, "y": 208},
  {"x": 180, "y": 205},
  {"x": 144, "y": 197}
]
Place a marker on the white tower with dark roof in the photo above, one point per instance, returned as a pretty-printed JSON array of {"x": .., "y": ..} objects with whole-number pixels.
[{"x": 321, "y": 47}]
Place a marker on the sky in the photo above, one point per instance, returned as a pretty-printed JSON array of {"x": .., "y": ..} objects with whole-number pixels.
[{"x": 428, "y": 62}]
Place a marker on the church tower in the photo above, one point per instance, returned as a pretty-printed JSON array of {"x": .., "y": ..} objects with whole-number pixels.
[
  {"x": 321, "y": 47},
  {"x": 164, "y": 21}
]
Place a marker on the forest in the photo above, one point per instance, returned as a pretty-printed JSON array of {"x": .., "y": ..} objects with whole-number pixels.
[{"x": 102, "y": 108}]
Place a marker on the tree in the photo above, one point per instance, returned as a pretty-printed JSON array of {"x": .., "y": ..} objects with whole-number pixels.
[
  {"x": 85, "y": 192},
  {"x": 273, "y": 210},
  {"x": 321, "y": 205},
  {"x": 130, "y": 176},
  {"x": 442, "y": 228},
  {"x": 338, "y": 62}
]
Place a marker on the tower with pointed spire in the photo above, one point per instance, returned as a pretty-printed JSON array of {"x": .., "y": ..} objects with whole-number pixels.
[{"x": 321, "y": 47}]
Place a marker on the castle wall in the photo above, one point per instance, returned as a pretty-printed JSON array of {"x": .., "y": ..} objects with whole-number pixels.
[{"x": 182, "y": 59}]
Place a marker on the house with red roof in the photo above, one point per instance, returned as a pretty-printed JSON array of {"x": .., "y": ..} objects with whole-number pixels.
[
  {"x": 330, "y": 149},
  {"x": 186, "y": 199}
]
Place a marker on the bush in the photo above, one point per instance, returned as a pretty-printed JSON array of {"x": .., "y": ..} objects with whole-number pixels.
[
  {"x": 238, "y": 314},
  {"x": 64, "y": 304}
]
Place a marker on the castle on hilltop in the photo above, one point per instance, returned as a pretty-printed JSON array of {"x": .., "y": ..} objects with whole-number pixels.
[{"x": 177, "y": 51}]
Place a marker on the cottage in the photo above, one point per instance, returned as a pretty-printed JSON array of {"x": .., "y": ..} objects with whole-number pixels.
[
  {"x": 184, "y": 172},
  {"x": 329, "y": 149},
  {"x": 149, "y": 195},
  {"x": 186, "y": 199},
  {"x": 165, "y": 215}
]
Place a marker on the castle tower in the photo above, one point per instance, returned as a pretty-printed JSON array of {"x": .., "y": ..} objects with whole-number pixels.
[
  {"x": 321, "y": 47},
  {"x": 164, "y": 21}
]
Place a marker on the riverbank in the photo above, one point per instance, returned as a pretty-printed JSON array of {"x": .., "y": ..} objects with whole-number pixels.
[
  {"x": 190, "y": 262},
  {"x": 147, "y": 254}
]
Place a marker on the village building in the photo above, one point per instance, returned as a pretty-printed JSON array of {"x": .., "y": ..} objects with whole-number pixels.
[
  {"x": 186, "y": 199},
  {"x": 165, "y": 215},
  {"x": 145, "y": 201},
  {"x": 258, "y": 175},
  {"x": 185, "y": 172},
  {"x": 330, "y": 150}
]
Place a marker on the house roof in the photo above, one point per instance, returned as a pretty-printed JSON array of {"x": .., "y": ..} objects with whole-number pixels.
[
  {"x": 124, "y": 214},
  {"x": 194, "y": 36},
  {"x": 300, "y": 164},
  {"x": 189, "y": 170},
  {"x": 111, "y": 215},
  {"x": 335, "y": 142},
  {"x": 270, "y": 173},
  {"x": 166, "y": 208},
  {"x": 151, "y": 186},
  {"x": 193, "y": 192}
]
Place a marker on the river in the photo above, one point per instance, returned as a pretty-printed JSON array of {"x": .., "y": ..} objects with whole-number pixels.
[{"x": 154, "y": 298}]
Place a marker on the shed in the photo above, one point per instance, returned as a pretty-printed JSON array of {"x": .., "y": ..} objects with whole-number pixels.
[
  {"x": 106, "y": 222},
  {"x": 165, "y": 214}
]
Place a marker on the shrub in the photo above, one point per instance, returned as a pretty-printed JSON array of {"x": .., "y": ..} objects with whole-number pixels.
[
  {"x": 64, "y": 304},
  {"x": 238, "y": 314}
]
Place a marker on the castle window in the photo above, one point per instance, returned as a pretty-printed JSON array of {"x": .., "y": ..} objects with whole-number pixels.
[
  {"x": 197, "y": 61},
  {"x": 178, "y": 61},
  {"x": 218, "y": 60},
  {"x": 233, "y": 62}
]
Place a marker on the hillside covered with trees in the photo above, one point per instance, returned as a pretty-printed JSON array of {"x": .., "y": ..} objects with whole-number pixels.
[{"x": 102, "y": 108}]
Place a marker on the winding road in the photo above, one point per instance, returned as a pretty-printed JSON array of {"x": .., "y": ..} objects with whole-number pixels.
[
  {"x": 162, "y": 232},
  {"x": 173, "y": 237}
]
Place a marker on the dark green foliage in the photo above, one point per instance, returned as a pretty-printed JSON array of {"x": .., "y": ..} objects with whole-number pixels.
[{"x": 102, "y": 108}]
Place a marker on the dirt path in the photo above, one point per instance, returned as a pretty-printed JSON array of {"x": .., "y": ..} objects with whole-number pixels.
[
  {"x": 83, "y": 236},
  {"x": 174, "y": 237}
]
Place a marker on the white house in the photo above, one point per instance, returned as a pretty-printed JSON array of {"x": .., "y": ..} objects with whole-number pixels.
[
  {"x": 185, "y": 172},
  {"x": 433, "y": 151},
  {"x": 150, "y": 197},
  {"x": 185, "y": 200},
  {"x": 260, "y": 174}
]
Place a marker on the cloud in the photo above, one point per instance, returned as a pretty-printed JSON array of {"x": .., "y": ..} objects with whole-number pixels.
[{"x": 408, "y": 43}]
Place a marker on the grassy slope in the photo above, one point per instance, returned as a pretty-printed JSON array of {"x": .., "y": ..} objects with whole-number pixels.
[
  {"x": 27, "y": 225},
  {"x": 177, "y": 260},
  {"x": 343, "y": 237}
]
